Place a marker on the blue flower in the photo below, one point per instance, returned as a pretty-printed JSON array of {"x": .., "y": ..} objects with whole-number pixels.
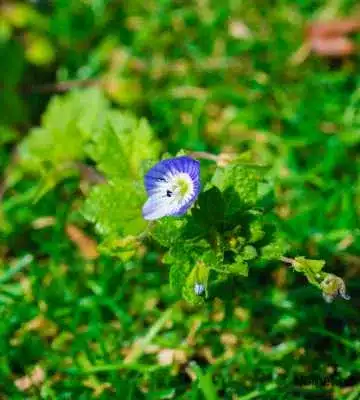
[{"x": 172, "y": 186}]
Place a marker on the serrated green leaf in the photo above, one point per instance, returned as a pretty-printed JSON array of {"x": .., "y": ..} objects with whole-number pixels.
[
  {"x": 123, "y": 146},
  {"x": 239, "y": 184},
  {"x": 115, "y": 208},
  {"x": 239, "y": 267},
  {"x": 274, "y": 250},
  {"x": 188, "y": 293},
  {"x": 177, "y": 276},
  {"x": 248, "y": 253},
  {"x": 123, "y": 248},
  {"x": 302, "y": 263},
  {"x": 167, "y": 230},
  {"x": 67, "y": 124},
  {"x": 49, "y": 180},
  {"x": 210, "y": 258},
  {"x": 256, "y": 231},
  {"x": 211, "y": 206}
]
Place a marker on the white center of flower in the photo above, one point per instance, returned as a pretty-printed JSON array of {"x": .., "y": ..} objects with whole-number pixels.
[
  {"x": 169, "y": 195},
  {"x": 179, "y": 187}
]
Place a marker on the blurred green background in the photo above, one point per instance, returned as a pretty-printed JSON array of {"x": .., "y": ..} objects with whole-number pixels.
[{"x": 209, "y": 76}]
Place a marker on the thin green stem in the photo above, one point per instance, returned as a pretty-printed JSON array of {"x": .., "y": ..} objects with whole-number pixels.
[
  {"x": 256, "y": 393},
  {"x": 115, "y": 367},
  {"x": 19, "y": 266},
  {"x": 144, "y": 342},
  {"x": 287, "y": 260},
  {"x": 145, "y": 233},
  {"x": 347, "y": 343},
  {"x": 206, "y": 384}
]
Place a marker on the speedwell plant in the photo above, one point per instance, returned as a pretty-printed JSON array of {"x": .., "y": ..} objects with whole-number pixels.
[{"x": 211, "y": 218}]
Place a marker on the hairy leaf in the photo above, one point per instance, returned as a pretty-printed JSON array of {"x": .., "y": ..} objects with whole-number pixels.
[
  {"x": 115, "y": 208},
  {"x": 239, "y": 184},
  {"x": 239, "y": 267},
  {"x": 67, "y": 125},
  {"x": 274, "y": 250},
  {"x": 167, "y": 230},
  {"x": 302, "y": 263},
  {"x": 123, "y": 146}
]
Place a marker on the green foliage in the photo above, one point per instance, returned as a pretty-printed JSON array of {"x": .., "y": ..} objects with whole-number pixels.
[
  {"x": 302, "y": 264},
  {"x": 240, "y": 183},
  {"x": 67, "y": 125},
  {"x": 239, "y": 267},
  {"x": 275, "y": 249},
  {"x": 330, "y": 284},
  {"x": 225, "y": 232},
  {"x": 167, "y": 231},
  {"x": 198, "y": 275},
  {"x": 222, "y": 77},
  {"x": 121, "y": 149},
  {"x": 115, "y": 208},
  {"x": 82, "y": 125},
  {"x": 123, "y": 145}
]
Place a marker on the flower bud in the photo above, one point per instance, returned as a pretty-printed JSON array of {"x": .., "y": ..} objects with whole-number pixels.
[
  {"x": 199, "y": 288},
  {"x": 333, "y": 286}
]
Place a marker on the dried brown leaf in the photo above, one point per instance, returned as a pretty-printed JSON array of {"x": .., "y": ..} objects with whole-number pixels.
[
  {"x": 171, "y": 356},
  {"x": 333, "y": 47},
  {"x": 36, "y": 378},
  {"x": 328, "y": 39},
  {"x": 87, "y": 246},
  {"x": 333, "y": 28},
  {"x": 238, "y": 30}
]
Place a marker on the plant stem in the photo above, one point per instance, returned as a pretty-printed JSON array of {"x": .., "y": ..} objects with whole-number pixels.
[
  {"x": 140, "y": 346},
  {"x": 204, "y": 155},
  {"x": 287, "y": 260},
  {"x": 20, "y": 265}
]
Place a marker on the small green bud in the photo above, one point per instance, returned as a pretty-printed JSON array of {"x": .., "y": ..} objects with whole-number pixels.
[{"x": 333, "y": 286}]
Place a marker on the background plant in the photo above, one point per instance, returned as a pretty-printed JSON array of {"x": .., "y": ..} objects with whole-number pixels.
[{"x": 219, "y": 78}]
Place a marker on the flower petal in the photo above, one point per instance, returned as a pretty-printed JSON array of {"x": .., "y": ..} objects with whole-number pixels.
[
  {"x": 172, "y": 185},
  {"x": 155, "y": 208},
  {"x": 163, "y": 170}
]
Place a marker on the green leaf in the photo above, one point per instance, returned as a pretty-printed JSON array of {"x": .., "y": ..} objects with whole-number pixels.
[
  {"x": 190, "y": 265},
  {"x": 239, "y": 267},
  {"x": 177, "y": 276},
  {"x": 256, "y": 231},
  {"x": 115, "y": 208},
  {"x": 67, "y": 124},
  {"x": 167, "y": 230},
  {"x": 211, "y": 206},
  {"x": 7, "y": 135},
  {"x": 49, "y": 180},
  {"x": 210, "y": 258},
  {"x": 123, "y": 146},
  {"x": 123, "y": 248},
  {"x": 248, "y": 253},
  {"x": 239, "y": 184},
  {"x": 302, "y": 263},
  {"x": 274, "y": 250},
  {"x": 198, "y": 275}
]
